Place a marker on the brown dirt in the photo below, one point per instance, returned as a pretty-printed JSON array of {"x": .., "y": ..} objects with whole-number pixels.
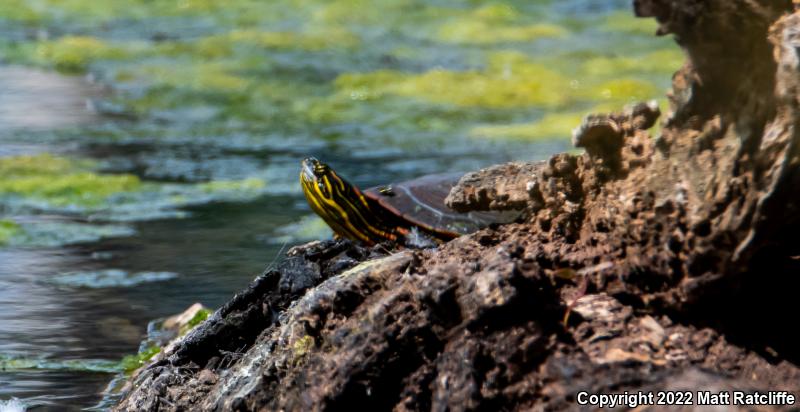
[{"x": 674, "y": 256}]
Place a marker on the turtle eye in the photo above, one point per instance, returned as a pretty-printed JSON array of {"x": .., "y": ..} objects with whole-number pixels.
[{"x": 320, "y": 170}]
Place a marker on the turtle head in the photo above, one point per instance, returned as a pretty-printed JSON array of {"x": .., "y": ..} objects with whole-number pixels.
[
  {"x": 318, "y": 179},
  {"x": 313, "y": 168},
  {"x": 341, "y": 205}
]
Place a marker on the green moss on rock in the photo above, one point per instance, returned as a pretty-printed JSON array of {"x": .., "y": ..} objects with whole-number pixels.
[
  {"x": 197, "y": 319},
  {"x": 132, "y": 362}
]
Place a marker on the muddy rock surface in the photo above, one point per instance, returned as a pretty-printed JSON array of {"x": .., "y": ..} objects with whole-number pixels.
[{"x": 647, "y": 263}]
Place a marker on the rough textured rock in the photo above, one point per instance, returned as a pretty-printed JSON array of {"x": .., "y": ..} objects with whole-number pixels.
[
  {"x": 500, "y": 187},
  {"x": 674, "y": 259}
]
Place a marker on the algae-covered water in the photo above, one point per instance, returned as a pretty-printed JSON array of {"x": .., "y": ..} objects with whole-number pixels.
[{"x": 149, "y": 149}]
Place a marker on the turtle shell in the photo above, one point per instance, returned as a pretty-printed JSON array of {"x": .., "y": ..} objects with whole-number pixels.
[{"x": 421, "y": 203}]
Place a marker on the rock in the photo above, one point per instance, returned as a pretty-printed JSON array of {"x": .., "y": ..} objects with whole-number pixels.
[
  {"x": 220, "y": 342},
  {"x": 501, "y": 187},
  {"x": 603, "y": 136},
  {"x": 600, "y": 307},
  {"x": 176, "y": 322},
  {"x": 207, "y": 378},
  {"x": 615, "y": 355},
  {"x": 653, "y": 333}
]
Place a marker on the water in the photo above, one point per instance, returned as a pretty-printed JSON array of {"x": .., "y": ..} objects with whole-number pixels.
[{"x": 165, "y": 172}]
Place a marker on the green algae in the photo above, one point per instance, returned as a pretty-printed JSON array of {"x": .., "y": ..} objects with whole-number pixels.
[
  {"x": 109, "y": 10},
  {"x": 131, "y": 363},
  {"x": 42, "y": 164},
  {"x": 369, "y": 12},
  {"x": 496, "y": 12},
  {"x": 247, "y": 185},
  {"x": 485, "y": 90},
  {"x": 663, "y": 62},
  {"x": 51, "y": 182},
  {"x": 80, "y": 188},
  {"x": 197, "y": 319},
  {"x": 60, "y": 181},
  {"x": 625, "y": 22},
  {"x": 18, "y": 10},
  {"x": 551, "y": 126},
  {"x": 8, "y": 229},
  {"x": 494, "y": 24},
  {"x": 510, "y": 80},
  {"x": 247, "y": 67},
  {"x": 48, "y": 10},
  {"x": 225, "y": 44},
  {"x": 205, "y": 78},
  {"x": 73, "y": 54},
  {"x": 621, "y": 90},
  {"x": 510, "y": 87},
  {"x": 556, "y": 125}
]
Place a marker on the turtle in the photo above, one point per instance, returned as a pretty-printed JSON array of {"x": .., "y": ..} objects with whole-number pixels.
[{"x": 411, "y": 213}]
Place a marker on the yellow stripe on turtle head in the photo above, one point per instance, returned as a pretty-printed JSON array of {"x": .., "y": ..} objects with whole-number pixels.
[{"x": 343, "y": 206}]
